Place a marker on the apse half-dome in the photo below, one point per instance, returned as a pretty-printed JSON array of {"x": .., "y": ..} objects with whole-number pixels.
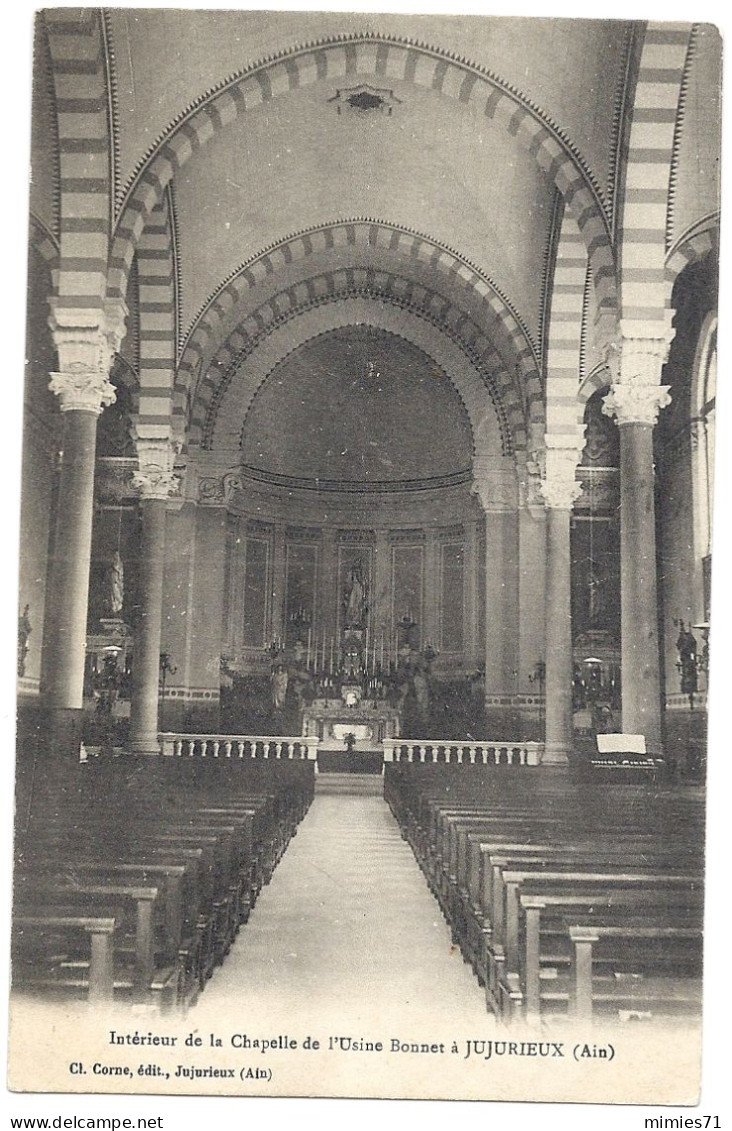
[{"x": 358, "y": 406}]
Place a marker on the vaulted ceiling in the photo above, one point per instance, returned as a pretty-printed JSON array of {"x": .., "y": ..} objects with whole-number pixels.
[{"x": 321, "y": 156}]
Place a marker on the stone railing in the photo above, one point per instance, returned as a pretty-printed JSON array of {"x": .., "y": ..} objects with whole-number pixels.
[
  {"x": 481, "y": 753},
  {"x": 239, "y": 746}
]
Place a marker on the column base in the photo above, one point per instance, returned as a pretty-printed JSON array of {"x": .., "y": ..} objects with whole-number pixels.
[
  {"x": 63, "y": 730},
  {"x": 555, "y": 754},
  {"x": 146, "y": 745}
]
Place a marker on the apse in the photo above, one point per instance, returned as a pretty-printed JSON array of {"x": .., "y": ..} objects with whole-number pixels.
[{"x": 357, "y": 406}]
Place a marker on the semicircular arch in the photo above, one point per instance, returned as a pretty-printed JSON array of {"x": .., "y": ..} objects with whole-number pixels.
[
  {"x": 482, "y": 317},
  {"x": 430, "y": 68},
  {"x": 228, "y": 414}
]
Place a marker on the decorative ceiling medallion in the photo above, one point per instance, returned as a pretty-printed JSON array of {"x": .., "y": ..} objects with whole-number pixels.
[{"x": 364, "y": 99}]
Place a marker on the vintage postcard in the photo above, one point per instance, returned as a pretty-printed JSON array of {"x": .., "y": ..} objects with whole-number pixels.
[{"x": 365, "y": 591}]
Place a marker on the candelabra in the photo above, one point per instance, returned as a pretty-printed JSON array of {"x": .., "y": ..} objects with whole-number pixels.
[
  {"x": 538, "y": 676},
  {"x": 166, "y": 669}
]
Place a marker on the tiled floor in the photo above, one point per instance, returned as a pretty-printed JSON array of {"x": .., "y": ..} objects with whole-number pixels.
[{"x": 348, "y": 931}]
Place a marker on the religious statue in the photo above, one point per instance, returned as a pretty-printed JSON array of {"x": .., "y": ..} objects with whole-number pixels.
[
  {"x": 686, "y": 646},
  {"x": 421, "y": 691},
  {"x": 356, "y": 597},
  {"x": 24, "y": 631},
  {"x": 116, "y": 584},
  {"x": 597, "y": 586},
  {"x": 279, "y": 680}
]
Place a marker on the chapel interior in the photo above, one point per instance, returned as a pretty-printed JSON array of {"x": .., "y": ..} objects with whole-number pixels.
[{"x": 368, "y": 461}]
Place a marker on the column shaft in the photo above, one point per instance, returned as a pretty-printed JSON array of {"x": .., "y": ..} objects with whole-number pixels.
[
  {"x": 381, "y": 603},
  {"x": 641, "y": 685},
  {"x": 278, "y": 582},
  {"x": 558, "y": 639},
  {"x": 470, "y": 604},
  {"x": 68, "y": 593},
  {"x": 501, "y": 613},
  {"x": 146, "y": 659},
  {"x": 431, "y": 612}
]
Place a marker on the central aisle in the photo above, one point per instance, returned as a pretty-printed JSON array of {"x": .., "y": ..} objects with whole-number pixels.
[{"x": 347, "y": 930}]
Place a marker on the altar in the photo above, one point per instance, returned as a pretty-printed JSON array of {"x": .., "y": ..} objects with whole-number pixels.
[{"x": 330, "y": 720}]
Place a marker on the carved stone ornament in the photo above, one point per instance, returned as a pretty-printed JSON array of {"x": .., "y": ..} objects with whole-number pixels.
[
  {"x": 155, "y": 482},
  {"x": 529, "y": 482},
  {"x": 155, "y": 478},
  {"x": 644, "y": 350},
  {"x": 365, "y": 99},
  {"x": 85, "y": 356},
  {"x": 82, "y": 389},
  {"x": 636, "y": 404},
  {"x": 559, "y": 486},
  {"x": 217, "y": 491},
  {"x": 494, "y": 485}
]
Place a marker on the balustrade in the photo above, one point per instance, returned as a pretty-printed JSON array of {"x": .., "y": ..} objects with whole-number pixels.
[
  {"x": 509, "y": 753},
  {"x": 239, "y": 746},
  {"x": 494, "y": 752}
]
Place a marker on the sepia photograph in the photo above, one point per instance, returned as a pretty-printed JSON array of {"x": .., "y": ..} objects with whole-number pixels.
[{"x": 365, "y": 583}]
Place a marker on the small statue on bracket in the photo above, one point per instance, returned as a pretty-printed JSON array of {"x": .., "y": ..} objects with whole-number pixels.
[
  {"x": 116, "y": 585},
  {"x": 24, "y": 631}
]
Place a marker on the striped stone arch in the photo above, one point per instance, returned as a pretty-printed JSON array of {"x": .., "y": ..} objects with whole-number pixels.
[
  {"x": 343, "y": 286},
  {"x": 491, "y": 312},
  {"x": 599, "y": 378},
  {"x": 157, "y": 281},
  {"x": 76, "y": 39},
  {"x": 44, "y": 244},
  {"x": 695, "y": 244},
  {"x": 286, "y": 337},
  {"x": 484, "y": 93},
  {"x": 647, "y": 199},
  {"x": 564, "y": 336}
]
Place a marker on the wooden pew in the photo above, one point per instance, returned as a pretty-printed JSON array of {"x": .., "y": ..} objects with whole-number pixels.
[
  {"x": 33, "y": 965},
  {"x": 640, "y": 995},
  {"x": 509, "y": 972}
]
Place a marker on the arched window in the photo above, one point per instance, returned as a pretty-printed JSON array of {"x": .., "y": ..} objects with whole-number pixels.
[{"x": 703, "y": 393}]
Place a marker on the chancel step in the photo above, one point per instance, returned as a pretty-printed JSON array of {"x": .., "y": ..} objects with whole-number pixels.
[{"x": 371, "y": 785}]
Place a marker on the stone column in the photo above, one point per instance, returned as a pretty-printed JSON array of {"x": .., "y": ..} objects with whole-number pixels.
[
  {"x": 559, "y": 489},
  {"x": 470, "y": 603},
  {"x": 381, "y": 612},
  {"x": 496, "y": 486},
  {"x": 328, "y": 586},
  {"x": 278, "y": 582},
  {"x": 635, "y": 400},
  {"x": 532, "y": 596},
  {"x": 85, "y": 355},
  {"x": 432, "y": 596},
  {"x": 155, "y": 482}
]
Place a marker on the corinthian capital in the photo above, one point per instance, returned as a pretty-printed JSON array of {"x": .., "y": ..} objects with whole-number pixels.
[
  {"x": 636, "y": 404},
  {"x": 82, "y": 388},
  {"x": 155, "y": 478},
  {"x": 559, "y": 486},
  {"x": 86, "y": 343}
]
